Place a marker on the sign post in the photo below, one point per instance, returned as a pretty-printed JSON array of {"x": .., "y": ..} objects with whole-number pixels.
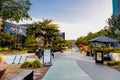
[{"x": 47, "y": 58}]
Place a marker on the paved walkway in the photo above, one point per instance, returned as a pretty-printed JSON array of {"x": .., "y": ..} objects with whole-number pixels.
[
  {"x": 72, "y": 65},
  {"x": 66, "y": 70}
]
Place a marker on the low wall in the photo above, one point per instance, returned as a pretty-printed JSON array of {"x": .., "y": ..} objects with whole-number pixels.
[{"x": 115, "y": 56}]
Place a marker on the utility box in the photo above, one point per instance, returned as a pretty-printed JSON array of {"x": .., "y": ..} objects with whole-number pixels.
[{"x": 99, "y": 57}]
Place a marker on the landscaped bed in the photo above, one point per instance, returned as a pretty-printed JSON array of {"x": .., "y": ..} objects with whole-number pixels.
[
  {"x": 13, "y": 69},
  {"x": 114, "y": 64}
]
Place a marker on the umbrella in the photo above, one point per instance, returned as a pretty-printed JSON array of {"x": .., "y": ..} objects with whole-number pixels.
[{"x": 104, "y": 39}]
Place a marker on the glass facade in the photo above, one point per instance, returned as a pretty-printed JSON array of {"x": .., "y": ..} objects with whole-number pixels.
[{"x": 116, "y": 7}]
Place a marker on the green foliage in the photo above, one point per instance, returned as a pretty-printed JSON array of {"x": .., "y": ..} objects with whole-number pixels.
[
  {"x": 32, "y": 64},
  {"x": 114, "y": 26},
  {"x": 0, "y": 49},
  {"x": 58, "y": 43},
  {"x": 14, "y": 9},
  {"x": 1, "y": 58},
  {"x": 5, "y": 49},
  {"x": 116, "y": 50},
  {"x": 85, "y": 39},
  {"x": 6, "y": 39},
  {"x": 31, "y": 41},
  {"x": 45, "y": 29},
  {"x": 112, "y": 63},
  {"x": 108, "y": 50}
]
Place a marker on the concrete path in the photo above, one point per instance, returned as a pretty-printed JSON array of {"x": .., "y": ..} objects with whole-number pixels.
[
  {"x": 72, "y": 65},
  {"x": 99, "y": 71},
  {"x": 66, "y": 70}
]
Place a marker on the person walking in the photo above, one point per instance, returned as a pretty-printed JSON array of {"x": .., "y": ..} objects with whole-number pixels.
[{"x": 39, "y": 53}]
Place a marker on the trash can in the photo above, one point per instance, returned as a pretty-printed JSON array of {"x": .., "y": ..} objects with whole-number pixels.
[{"x": 99, "y": 57}]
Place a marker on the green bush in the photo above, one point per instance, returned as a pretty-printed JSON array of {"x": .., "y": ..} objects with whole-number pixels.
[
  {"x": 116, "y": 50},
  {"x": 111, "y": 63},
  {"x": 0, "y": 49},
  {"x": 108, "y": 50},
  {"x": 1, "y": 58},
  {"x": 31, "y": 64},
  {"x": 5, "y": 49}
]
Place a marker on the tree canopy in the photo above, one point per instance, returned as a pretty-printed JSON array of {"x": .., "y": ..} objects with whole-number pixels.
[
  {"x": 14, "y": 9},
  {"x": 45, "y": 29},
  {"x": 114, "y": 26}
]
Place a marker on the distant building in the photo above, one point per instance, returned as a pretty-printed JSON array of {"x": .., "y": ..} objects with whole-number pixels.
[
  {"x": 116, "y": 7},
  {"x": 63, "y": 35},
  {"x": 19, "y": 31}
]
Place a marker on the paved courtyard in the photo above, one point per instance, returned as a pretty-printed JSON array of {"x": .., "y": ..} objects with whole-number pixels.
[{"x": 72, "y": 65}]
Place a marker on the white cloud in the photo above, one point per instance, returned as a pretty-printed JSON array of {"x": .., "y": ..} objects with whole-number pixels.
[{"x": 29, "y": 21}]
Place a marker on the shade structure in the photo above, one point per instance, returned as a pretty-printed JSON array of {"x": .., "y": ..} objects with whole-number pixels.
[{"x": 103, "y": 39}]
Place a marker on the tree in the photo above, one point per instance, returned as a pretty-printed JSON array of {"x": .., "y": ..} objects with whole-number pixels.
[
  {"x": 31, "y": 41},
  {"x": 44, "y": 29},
  {"x": 114, "y": 26},
  {"x": 57, "y": 44},
  {"x": 14, "y": 9},
  {"x": 85, "y": 39},
  {"x": 6, "y": 39},
  {"x": 68, "y": 43}
]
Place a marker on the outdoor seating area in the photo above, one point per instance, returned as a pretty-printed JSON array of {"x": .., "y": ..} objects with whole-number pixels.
[{"x": 54, "y": 40}]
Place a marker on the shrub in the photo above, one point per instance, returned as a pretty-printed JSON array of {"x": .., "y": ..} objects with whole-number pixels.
[
  {"x": 5, "y": 49},
  {"x": 1, "y": 58},
  {"x": 116, "y": 50},
  {"x": 31, "y": 64},
  {"x": 111, "y": 63}
]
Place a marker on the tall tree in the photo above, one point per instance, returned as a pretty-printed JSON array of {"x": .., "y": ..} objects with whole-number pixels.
[
  {"x": 14, "y": 9},
  {"x": 114, "y": 25},
  {"x": 44, "y": 29}
]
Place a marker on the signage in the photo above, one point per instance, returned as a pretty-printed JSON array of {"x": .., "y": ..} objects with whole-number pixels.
[
  {"x": 47, "y": 58},
  {"x": 99, "y": 58}
]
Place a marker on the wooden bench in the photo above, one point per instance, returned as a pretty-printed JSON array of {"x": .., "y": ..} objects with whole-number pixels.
[{"x": 23, "y": 75}]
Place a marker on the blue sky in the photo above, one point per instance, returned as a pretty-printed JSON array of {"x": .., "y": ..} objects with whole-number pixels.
[{"x": 75, "y": 17}]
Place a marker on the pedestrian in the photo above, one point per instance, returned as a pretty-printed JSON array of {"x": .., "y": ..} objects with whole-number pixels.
[
  {"x": 52, "y": 54},
  {"x": 39, "y": 53}
]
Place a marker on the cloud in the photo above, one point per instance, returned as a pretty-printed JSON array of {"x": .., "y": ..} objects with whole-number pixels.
[{"x": 29, "y": 21}]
